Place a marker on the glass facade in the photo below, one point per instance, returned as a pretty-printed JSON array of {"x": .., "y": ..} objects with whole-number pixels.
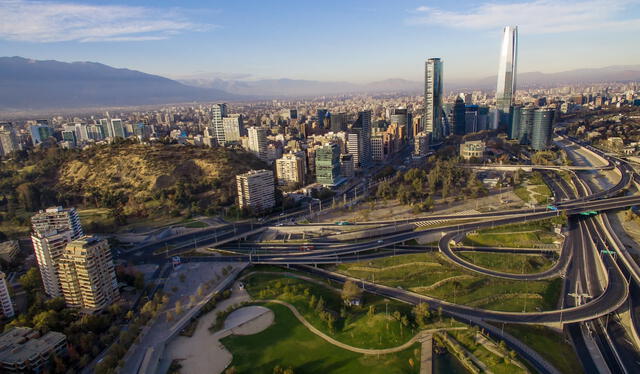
[
  {"x": 505, "y": 92},
  {"x": 542, "y": 125},
  {"x": 433, "y": 99},
  {"x": 328, "y": 164}
]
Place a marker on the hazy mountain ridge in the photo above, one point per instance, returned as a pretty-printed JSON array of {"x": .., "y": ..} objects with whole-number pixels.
[
  {"x": 32, "y": 84},
  {"x": 27, "y": 84},
  {"x": 299, "y": 87}
]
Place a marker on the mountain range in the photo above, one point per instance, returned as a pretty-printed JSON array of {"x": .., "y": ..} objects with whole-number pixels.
[{"x": 27, "y": 84}]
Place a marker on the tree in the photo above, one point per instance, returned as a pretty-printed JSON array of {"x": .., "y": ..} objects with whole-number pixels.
[
  {"x": 351, "y": 291},
  {"x": 421, "y": 314},
  {"x": 31, "y": 280},
  {"x": 45, "y": 321}
]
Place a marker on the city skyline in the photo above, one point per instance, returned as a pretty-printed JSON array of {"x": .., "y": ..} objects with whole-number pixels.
[{"x": 212, "y": 40}]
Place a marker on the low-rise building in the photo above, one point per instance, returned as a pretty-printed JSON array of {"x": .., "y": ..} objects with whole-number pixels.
[
  {"x": 22, "y": 349},
  {"x": 9, "y": 250},
  {"x": 472, "y": 149}
]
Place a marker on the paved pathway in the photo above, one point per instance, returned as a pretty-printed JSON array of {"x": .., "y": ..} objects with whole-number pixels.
[{"x": 426, "y": 355}]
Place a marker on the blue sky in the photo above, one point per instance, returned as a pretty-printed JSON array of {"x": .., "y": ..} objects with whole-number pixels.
[{"x": 358, "y": 40}]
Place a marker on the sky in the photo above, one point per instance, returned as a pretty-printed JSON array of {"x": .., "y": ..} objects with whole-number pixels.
[{"x": 328, "y": 40}]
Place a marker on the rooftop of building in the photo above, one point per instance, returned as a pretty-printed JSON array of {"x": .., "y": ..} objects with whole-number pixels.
[
  {"x": 8, "y": 246},
  {"x": 23, "y": 343}
]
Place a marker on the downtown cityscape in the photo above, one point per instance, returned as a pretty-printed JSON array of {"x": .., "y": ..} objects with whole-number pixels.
[{"x": 390, "y": 212}]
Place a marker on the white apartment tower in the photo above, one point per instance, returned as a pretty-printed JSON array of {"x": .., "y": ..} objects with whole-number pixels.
[
  {"x": 52, "y": 230},
  {"x": 290, "y": 169},
  {"x": 6, "y": 306},
  {"x": 218, "y": 112},
  {"x": 256, "y": 190},
  {"x": 87, "y": 276},
  {"x": 258, "y": 142}
]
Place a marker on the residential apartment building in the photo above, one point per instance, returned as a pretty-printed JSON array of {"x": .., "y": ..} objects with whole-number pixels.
[
  {"x": 9, "y": 250},
  {"x": 6, "y": 305},
  {"x": 258, "y": 142},
  {"x": 256, "y": 190},
  {"x": 290, "y": 170},
  {"x": 87, "y": 276},
  {"x": 23, "y": 350},
  {"x": 52, "y": 230}
]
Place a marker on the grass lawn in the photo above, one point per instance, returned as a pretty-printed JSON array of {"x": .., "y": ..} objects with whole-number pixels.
[
  {"x": 357, "y": 327},
  {"x": 521, "y": 235},
  {"x": 195, "y": 225},
  {"x": 522, "y": 193},
  {"x": 494, "y": 362},
  {"x": 289, "y": 344},
  {"x": 433, "y": 275},
  {"x": 549, "y": 344},
  {"x": 97, "y": 216},
  {"x": 509, "y": 262}
]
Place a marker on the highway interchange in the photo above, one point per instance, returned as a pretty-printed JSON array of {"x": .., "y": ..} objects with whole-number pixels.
[{"x": 598, "y": 273}]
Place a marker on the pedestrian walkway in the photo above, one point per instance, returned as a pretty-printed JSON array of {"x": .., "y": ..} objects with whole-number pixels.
[
  {"x": 431, "y": 222},
  {"x": 426, "y": 354}
]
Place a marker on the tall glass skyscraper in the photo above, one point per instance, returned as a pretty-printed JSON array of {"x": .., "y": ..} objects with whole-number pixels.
[
  {"x": 505, "y": 92},
  {"x": 433, "y": 99},
  {"x": 542, "y": 128}
]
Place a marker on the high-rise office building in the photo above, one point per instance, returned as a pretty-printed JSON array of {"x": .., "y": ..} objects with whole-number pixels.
[
  {"x": 459, "y": 110},
  {"x": 290, "y": 169},
  {"x": 507, "y": 70},
  {"x": 256, "y": 190},
  {"x": 542, "y": 128},
  {"x": 514, "y": 128},
  {"x": 362, "y": 127},
  {"x": 328, "y": 164},
  {"x": 106, "y": 128},
  {"x": 52, "y": 229},
  {"x": 8, "y": 141},
  {"x": 87, "y": 276},
  {"x": 218, "y": 112},
  {"x": 258, "y": 142},
  {"x": 433, "y": 99},
  {"x": 338, "y": 122},
  {"x": 323, "y": 116},
  {"x": 40, "y": 133},
  {"x": 354, "y": 146},
  {"x": 6, "y": 306},
  {"x": 402, "y": 118},
  {"x": 117, "y": 128},
  {"x": 525, "y": 125}
]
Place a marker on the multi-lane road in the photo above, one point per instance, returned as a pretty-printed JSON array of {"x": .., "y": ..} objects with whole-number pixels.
[{"x": 599, "y": 280}]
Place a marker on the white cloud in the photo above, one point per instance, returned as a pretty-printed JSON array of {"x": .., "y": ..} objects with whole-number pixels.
[
  {"x": 40, "y": 21},
  {"x": 535, "y": 16}
]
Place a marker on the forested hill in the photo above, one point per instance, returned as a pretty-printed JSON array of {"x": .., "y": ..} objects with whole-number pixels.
[{"x": 131, "y": 180}]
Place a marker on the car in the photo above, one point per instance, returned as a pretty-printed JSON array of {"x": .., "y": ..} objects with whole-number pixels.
[
  {"x": 380, "y": 241},
  {"x": 281, "y": 214}
]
